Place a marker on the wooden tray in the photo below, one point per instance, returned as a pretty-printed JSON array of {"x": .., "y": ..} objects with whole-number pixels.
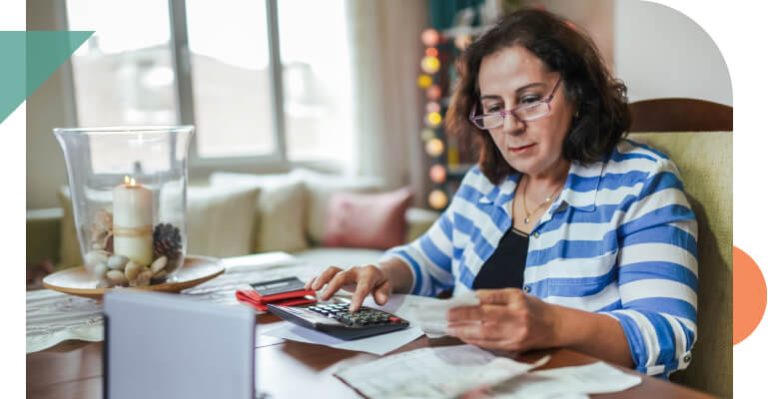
[{"x": 76, "y": 281}]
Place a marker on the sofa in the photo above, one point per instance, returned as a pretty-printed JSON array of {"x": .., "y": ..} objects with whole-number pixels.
[{"x": 233, "y": 214}]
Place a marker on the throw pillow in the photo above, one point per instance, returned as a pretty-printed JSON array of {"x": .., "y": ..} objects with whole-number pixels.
[
  {"x": 367, "y": 220},
  {"x": 281, "y": 210},
  {"x": 220, "y": 221},
  {"x": 320, "y": 188}
]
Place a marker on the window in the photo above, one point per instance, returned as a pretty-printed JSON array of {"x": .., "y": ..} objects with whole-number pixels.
[
  {"x": 123, "y": 75},
  {"x": 223, "y": 78},
  {"x": 315, "y": 71}
]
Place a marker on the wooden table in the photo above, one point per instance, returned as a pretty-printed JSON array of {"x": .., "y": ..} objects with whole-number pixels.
[{"x": 285, "y": 369}]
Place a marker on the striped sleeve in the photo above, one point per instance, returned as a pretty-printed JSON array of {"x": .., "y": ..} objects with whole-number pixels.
[
  {"x": 429, "y": 257},
  {"x": 658, "y": 274}
]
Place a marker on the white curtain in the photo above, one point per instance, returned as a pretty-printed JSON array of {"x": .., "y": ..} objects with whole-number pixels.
[{"x": 387, "y": 103}]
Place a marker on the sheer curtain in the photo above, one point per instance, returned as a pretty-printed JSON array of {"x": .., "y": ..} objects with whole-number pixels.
[{"x": 387, "y": 103}]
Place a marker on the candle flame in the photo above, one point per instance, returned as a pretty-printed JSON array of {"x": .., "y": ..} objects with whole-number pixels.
[{"x": 129, "y": 181}]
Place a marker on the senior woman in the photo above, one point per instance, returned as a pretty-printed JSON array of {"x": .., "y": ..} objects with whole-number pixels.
[{"x": 571, "y": 235}]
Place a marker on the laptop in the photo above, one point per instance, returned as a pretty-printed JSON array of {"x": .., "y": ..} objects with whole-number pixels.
[{"x": 167, "y": 346}]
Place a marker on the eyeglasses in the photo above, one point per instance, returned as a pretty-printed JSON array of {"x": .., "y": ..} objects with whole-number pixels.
[{"x": 524, "y": 112}]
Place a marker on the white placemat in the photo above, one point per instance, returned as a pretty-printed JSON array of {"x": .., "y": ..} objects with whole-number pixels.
[{"x": 54, "y": 317}]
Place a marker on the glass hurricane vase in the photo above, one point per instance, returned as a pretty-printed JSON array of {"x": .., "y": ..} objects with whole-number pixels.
[{"x": 128, "y": 188}]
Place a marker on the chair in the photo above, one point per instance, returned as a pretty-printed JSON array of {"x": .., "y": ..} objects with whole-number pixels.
[
  {"x": 698, "y": 136},
  {"x": 680, "y": 115}
]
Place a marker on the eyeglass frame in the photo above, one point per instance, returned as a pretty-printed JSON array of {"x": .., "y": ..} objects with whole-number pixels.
[{"x": 504, "y": 113}]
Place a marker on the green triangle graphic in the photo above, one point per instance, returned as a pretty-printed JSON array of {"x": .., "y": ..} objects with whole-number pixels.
[{"x": 30, "y": 57}]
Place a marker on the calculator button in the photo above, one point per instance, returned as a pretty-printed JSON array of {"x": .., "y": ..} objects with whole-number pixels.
[{"x": 394, "y": 319}]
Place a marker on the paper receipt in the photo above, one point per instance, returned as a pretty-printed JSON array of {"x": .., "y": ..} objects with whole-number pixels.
[{"x": 432, "y": 316}]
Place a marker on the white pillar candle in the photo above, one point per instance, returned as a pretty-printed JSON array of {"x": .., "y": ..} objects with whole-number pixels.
[{"x": 132, "y": 221}]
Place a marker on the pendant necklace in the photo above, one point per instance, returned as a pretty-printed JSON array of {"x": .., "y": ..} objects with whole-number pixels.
[{"x": 547, "y": 200}]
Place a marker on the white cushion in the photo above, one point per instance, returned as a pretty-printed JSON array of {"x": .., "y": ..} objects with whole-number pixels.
[
  {"x": 220, "y": 220},
  {"x": 281, "y": 209}
]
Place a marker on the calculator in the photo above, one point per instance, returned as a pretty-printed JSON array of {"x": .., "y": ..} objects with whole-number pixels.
[{"x": 336, "y": 320}]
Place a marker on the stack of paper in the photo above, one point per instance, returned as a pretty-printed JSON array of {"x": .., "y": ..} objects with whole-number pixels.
[
  {"x": 432, "y": 372},
  {"x": 455, "y": 370},
  {"x": 567, "y": 382}
]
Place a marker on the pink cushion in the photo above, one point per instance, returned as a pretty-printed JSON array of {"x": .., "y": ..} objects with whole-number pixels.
[{"x": 367, "y": 220}]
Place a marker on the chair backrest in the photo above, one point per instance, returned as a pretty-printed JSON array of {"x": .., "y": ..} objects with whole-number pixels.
[
  {"x": 705, "y": 161},
  {"x": 680, "y": 115}
]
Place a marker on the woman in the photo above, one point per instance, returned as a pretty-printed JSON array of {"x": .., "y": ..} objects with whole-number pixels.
[{"x": 572, "y": 236}]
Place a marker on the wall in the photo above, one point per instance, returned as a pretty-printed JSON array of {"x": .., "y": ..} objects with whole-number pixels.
[
  {"x": 659, "y": 52},
  {"x": 594, "y": 16},
  {"x": 46, "y": 109}
]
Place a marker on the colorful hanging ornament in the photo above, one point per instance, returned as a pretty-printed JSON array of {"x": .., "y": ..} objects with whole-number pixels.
[
  {"x": 434, "y": 92},
  {"x": 425, "y": 81},
  {"x": 438, "y": 199},
  {"x": 435, "y": 147},
  {"x": 437, "y": 174},
  {"x": 433, "y": 119},
  {"x": 433, "y": 106},
  {"x": 430, "y": 65},
  {"x": 430, "y": 37}
]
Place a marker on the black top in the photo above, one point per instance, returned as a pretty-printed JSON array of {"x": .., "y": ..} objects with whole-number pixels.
[{"x": 504, "y": 269}]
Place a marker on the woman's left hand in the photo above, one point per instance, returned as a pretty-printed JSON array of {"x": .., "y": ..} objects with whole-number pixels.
[{"x": 506, "y": 319}]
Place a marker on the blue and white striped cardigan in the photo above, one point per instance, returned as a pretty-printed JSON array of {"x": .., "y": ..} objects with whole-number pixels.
[{"x": 619, "y": 240}]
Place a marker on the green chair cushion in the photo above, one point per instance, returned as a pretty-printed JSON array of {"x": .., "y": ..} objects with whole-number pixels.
[{"x": 705, "y": 161}]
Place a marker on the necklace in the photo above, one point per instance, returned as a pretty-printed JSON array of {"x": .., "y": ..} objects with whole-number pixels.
[{"x": 547, "y": 200}]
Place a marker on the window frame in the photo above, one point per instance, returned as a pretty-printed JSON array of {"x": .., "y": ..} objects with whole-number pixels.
[{"x": 275, "y": 162}]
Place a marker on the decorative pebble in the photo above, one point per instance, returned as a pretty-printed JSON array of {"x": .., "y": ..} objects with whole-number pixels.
[
  {"x": 117, "y": 262},
  {"x": 132, "y": 269},
  {"x": 159, "y": 264},
  {"x": 116, "y": 277},
  {"x": 143, "y": 278},
  {"x": 93, "y": 258},
  {"x": 100, "y": 270}
]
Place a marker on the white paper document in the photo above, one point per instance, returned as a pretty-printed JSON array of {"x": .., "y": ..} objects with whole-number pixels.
[
  {"x": 377, "y": 345},
  {"x": 258, "y": 262},
  {"x": 567, "y": 382},
  {"x": 429, "y": 314},
  {"x": 441, "y": 372}
]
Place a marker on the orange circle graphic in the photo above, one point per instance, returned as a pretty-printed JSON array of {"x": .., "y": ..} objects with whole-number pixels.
[{"x": 749, "y": 295}]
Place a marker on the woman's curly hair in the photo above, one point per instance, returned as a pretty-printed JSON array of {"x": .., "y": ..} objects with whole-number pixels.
[{"x": 600, "y": 100}]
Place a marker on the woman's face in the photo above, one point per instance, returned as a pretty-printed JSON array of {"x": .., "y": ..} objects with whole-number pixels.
[{"x": 512, "y": 77}]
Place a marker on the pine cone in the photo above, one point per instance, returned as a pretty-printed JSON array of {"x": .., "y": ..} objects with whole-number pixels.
[{"x": 167, "y": 241}]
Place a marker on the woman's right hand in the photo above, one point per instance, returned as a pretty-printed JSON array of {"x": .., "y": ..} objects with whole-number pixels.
[{"x": 362, "y": 280}]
